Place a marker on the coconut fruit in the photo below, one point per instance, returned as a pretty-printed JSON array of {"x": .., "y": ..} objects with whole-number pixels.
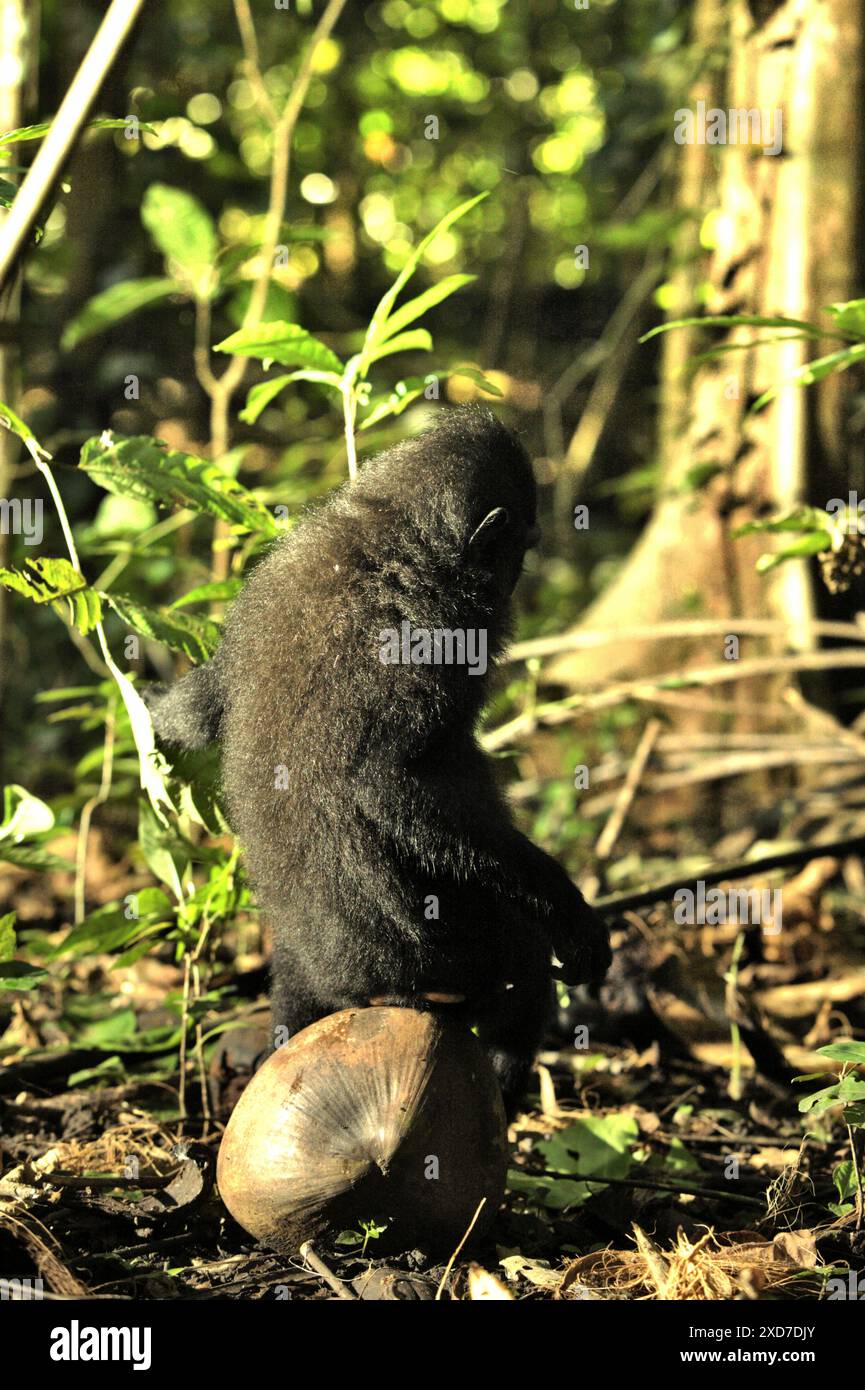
[{"x": 380, "y": 1114}]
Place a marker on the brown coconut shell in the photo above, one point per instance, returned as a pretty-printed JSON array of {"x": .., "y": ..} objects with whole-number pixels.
[{"x": 381, "y": 1113}]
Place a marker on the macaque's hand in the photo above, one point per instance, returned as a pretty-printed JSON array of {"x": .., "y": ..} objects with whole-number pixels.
[{"x": 584, "y": 951}]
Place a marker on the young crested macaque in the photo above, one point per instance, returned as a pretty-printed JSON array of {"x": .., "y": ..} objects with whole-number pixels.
[{"x": 346, "y": 701}]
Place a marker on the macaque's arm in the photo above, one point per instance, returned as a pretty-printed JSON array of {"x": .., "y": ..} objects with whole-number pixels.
[
  {"x": 470, "y": 839},
  {"x": 189, "y": 712}
]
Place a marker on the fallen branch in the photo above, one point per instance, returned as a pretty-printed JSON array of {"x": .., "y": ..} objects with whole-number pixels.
[
  {"x": 754, "y": 868},
  {"x": 685, "y": 628},
  {"x": 561, "y": 711}
]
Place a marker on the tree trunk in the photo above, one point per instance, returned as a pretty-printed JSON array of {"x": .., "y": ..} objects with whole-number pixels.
[{"x": 784, "y": 242}]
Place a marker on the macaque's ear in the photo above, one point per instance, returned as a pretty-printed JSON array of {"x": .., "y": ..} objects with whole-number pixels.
[{"x": 490, "y": 529}]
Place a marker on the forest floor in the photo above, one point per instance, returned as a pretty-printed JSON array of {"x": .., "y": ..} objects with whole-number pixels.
[{"x": 657, "y": 1163}]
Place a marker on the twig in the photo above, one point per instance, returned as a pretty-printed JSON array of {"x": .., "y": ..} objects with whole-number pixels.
[
  {"x": 65, "y": 129},
  {"x": 663, "y": 892},
  {"x": 736, "y": 765},
  {"x": 561, "y": 711},
  {"x": 450, "y": 1264},
  {"x": 221, "y": 389},
  {"x": 824, "y": 720},
  {"x": 610, "y": 833},
  {"x": 654, "y": 1185},
  {"x": 249, "y": 39},
  {"x": 316, "y": 1263},
  {"x": 607, "y": 349},
  {"x": 583, "y": 640},
  {"x": 608, "y": 382}
]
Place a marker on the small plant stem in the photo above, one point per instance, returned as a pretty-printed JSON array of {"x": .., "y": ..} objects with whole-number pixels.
[
  {"x": 349, "y": 410},
  {"x": 90, "y": 806},
  {"x": 857, "y": 1173},
  {"x": 42, "y": 465},
  {"x": 732, "y": 979},
  {"x": 221, "y": 389}
]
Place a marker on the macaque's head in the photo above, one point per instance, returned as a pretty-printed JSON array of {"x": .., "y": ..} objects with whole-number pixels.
[{"x": 467, "y": 487}]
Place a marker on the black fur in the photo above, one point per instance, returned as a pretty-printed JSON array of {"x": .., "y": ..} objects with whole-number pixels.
[{"x": 357, "y": 788}]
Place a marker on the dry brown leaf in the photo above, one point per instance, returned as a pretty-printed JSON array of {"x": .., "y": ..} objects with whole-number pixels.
[{"x": 798, "y": 1248}]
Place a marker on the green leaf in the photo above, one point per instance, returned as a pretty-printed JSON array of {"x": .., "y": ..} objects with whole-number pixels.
[
  {"x": 279, "y": 303},
  {"x": 16, "y": 974},
  {"x": 846, "y": 1050},
  {"x": 840, "y": 1209},
  {"x": 403, "y": 393},
  {"x": 844, "y": 1178},
  {"x": 415, "y": 340},
  {"x": 218, "y": 591},
  {"x": 116, "y": 1027},
  {"x": 679, "y": 1160},
  {"x": 164, "y": 853},
  {"x": 699, "y": 474},
  {"x": 112, "y": 1067},
  {"x": 477, "y": 376},
  {"x": 55, "y": 578},
  {"x": 850, "y": 316},
  {"x": 805, "y": 545},
  {"x": 34, "y": 857},
  {"x": 593, "y": 1145},
  {"x": 600, "y": 1146},
  {"x": 797, "y": 519},
  {"x": 10, "y": 421},
  {"x": 810, "y": 330},
  {"x": 383, "y": 310},
  {"x": 23, "y": 814},
  {"x": 201, "y": 774},
  {"x": 395, "y": 402},
  {"x": 819, "y": 1101},
  {"x": 184, "y": 231},
  {"x": 814, "y": 371},
  {"x": 286, "y": 343},
  {"x": 35, "y": 132},
  {"x": 415, "y": 308},
  {"x": 114, "y": 304},
  {"x": 261, "y": 395},
  {"x": 7, "y": 936},
  {"x": 196, "y": 637},
  {"x": 143, "y": 467},
  {"x": 111, "y": 928},
  {"x": 57, "y": 582},
  {"x": 721, "y": 350},
  {"x": 533, "y": 1185}
]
